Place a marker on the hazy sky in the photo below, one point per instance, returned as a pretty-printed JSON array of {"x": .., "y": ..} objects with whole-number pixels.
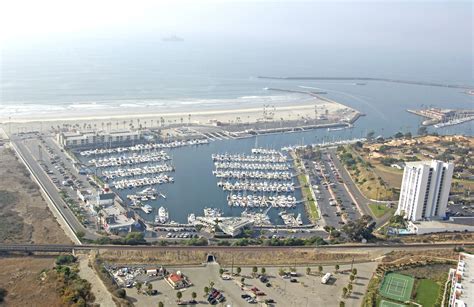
[{"x": 429, "y": 24}]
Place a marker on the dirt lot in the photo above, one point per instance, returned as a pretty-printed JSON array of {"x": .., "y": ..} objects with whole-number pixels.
[
  {"x": 25, "y": 218},
  {"x": 259, "y": 257},
  {"x": 23, "y": 211},
  {"x": 21, "y": 277}
]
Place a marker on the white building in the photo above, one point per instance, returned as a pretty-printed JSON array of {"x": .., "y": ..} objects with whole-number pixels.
[
  {"x": 462, "y": 286},
  {"x": 425, "y": 190},
  {"x": 87, "y": 138}
]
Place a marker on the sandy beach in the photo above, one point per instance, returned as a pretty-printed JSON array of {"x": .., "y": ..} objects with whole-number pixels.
[{"x": 155, "y": 117}]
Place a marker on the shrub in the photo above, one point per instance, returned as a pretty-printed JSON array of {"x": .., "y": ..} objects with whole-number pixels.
[{"x": 121, "y": 293}]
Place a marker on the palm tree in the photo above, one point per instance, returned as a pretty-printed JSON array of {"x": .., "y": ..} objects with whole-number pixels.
[
  {"x": 320, "y": 268},
  {"x": 242, "y": 280},
  {"x": 194, "y": 295},
  {"x": 308, "y": 271},
  {"x": 239, "y": 270},
  {"x": 349, "y": 287},
  {"x": 281, "y": 272},
  {"x": 139, "y": 286},
  {"x": 211, "y": 284},
  {"x": 351, "y": 278},
  {"x": 221, "y": 271},
  {"x": 354, "y": 271},
  {"x": 344, "y": 292},
  {"x": 160, "y": 304},
  {"x": 342, "y": 304},
  {"x": 179, "y": 295},
  {"x": 206, "y": 290},
  {"x": 336, "y": 267},
  {"x": 254, "y": 271},
  {"x": 263, "y": 271}
]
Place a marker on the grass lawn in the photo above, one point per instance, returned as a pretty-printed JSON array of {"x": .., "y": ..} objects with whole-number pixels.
[
  {"x": 380, "y": 210},
  {"x": 427, "y": 292},
  {"x": 311, "y": 204}
]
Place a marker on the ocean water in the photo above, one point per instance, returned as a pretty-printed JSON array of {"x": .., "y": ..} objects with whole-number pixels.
[{"x": 138, "y": 74}]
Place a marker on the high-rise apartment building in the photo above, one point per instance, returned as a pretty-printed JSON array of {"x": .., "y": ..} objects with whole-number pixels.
[{"x": 425, "y": 190}]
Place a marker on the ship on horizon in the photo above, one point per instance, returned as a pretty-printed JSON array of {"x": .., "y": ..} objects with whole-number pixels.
[{"x": 172, "y": 38}]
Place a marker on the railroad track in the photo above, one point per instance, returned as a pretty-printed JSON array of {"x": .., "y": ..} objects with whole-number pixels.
[{"x": 353, "y": 247}]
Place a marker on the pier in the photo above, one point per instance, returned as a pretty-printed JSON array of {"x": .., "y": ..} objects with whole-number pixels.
[
  {"x": 424, "y": 83},
  {"x": 443, "y": 117}
]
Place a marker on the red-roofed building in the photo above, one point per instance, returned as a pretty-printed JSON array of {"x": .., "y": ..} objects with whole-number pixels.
[{"x": 177, "y": 281}]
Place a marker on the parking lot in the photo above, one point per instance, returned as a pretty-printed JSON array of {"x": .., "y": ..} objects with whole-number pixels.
[
  {"x": 59, "y": 168},
  {"x": 333, "y": 198},
  {"x": 306, "y": 291}
]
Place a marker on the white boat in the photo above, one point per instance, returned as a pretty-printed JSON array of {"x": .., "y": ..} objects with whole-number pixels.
[
  {"x": 147, "y": 209},
  {"x": 191, "y": 218},
  {"x": 299, "y": 220},
  {"x": 212, "y": 212},
  {"x": 162, "y": 216}
]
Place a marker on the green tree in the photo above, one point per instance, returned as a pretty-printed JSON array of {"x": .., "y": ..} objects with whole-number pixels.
[
  {"x": 349, "y": 287},
  {"x": 308, "y": 271},
  {"x": 422, "y": 130},
  {"x": 138, "y": 286},
  {"x": 354, "y": 271},
  {"x": 239, "y": 270},
  {"x": 254, "y": 271},
  {"x": 206, "y": 290},
  {"x": 80, "y": 234},
  {"x": 211, "y": 284},
  {"x": 342, "y": 304},
  {"x": 398, "y": 135},
  {"x": 351, "y": 278},
  {"x": 179, "y": 295},
  {"x": 160, "y": 304},
  {"x": 336, "y": 267},
  {"x": 263, "y": 271},
  {"x": 121, "y": 293},
  {"x": 281, "y": 272},
  {"x": 320, "y": 269},
  {"x": 242, "y": 280},
  {"x": 344, "y": 292},
  {"x": 221, "y": 271},
  {"x": 194, "y": 295}
]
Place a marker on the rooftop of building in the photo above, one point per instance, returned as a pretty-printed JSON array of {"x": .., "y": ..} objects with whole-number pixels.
[
  {"x": 175, "y": 277},
  {"x": 424, "y": 162},
  {"x": 120, "y": 217},
  {"x": 465, "y": 269},
  {"x": 442, "y": 224}
]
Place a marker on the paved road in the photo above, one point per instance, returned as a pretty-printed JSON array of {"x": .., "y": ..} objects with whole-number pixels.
[{"x": 50, "y": 189}]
